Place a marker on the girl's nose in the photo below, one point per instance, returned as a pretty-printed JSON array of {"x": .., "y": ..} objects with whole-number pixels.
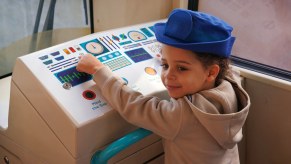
[{"x": 170, "y": 74}]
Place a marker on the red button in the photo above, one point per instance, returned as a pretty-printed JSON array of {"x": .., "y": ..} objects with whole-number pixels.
[{"x": 89, "y": 95}]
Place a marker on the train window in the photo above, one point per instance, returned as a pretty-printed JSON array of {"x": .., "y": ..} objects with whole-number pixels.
[
  {"x": 262, "y": 29},
  {"x": 28, "y": 26}
]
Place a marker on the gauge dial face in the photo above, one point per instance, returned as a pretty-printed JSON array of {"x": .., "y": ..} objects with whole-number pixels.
[
  {"x": 94, "y": 47},
  {"x": 136, "y": 36}
]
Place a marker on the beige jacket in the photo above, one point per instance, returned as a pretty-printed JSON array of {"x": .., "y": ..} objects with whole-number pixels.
[{"x": 201, "y": 128}]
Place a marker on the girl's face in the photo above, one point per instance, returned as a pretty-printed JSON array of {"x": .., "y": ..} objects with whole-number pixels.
[{"x": 182, "y": 74}]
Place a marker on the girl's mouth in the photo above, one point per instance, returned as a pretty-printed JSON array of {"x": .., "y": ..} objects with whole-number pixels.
[{"x": 172, "y": 87}]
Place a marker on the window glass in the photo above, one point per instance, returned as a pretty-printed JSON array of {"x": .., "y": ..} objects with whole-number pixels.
[
  {"x": 31, "y": 25},
  {"x": 262, "y": 28}
]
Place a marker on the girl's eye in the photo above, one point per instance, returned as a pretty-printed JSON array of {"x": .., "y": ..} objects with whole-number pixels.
[
  {"x": 182, "y": 69},
  {"x": 165, "y": 66}
]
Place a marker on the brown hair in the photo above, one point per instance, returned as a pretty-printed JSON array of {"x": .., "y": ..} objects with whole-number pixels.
[{"x": 208, "y": 59}]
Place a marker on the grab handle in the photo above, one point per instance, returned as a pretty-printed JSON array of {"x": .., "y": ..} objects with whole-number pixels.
[{"x": 102, "y": 156}]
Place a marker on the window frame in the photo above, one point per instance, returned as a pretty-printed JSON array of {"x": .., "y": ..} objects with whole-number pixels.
[
  {"x": 248, "y": 64},
  {"x": 261, "y": 68}
]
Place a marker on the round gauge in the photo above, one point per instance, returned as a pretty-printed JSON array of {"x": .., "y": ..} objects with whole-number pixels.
[
  {"x": 136, "y": 36},
  {"x": 150, "y": 71},
  {"x": 94, "y": 47}
]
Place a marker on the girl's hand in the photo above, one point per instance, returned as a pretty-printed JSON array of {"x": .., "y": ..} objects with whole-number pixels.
[{"x": 89, "y": 64}]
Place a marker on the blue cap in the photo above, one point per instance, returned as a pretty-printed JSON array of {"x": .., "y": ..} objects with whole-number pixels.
[{"x": 196, "y": 31}]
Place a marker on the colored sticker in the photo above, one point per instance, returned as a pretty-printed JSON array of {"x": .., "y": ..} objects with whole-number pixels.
[
  {"x": 43, "y": 57},
  {"x": 122, "y": 36},
  {"x": 115, "y": 37},
  {"x": 125, "y": 43},
  {"x": 152, "y": 28},
  {"x": 146, "y": 32},
  {"x": 67, "y": 51},
  {"x": 72, "y": 49},
  {"x": 55, "y": 53}
]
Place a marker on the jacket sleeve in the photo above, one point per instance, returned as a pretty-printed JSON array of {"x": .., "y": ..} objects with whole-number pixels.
[{"x": 160, "y": 116}]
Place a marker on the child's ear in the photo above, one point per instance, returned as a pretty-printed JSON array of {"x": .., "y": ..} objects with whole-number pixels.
[{"x": 213, "y": 72}]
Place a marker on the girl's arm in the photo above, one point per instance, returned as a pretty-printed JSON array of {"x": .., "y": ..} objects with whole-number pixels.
[{"x": 160, "y": 116}]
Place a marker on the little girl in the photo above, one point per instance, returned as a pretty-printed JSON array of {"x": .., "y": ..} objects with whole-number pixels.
[{"x": 202, "y": 123}]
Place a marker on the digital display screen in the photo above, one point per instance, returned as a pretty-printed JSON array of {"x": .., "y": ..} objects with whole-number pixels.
[
  {"x": 72, "y": 76},
  {"x": 138, "y": 55}
]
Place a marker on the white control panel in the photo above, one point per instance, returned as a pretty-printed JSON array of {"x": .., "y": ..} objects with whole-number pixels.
[
  {"x": 132, "y": 53},
  {"x": 62, "y": 110}
]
